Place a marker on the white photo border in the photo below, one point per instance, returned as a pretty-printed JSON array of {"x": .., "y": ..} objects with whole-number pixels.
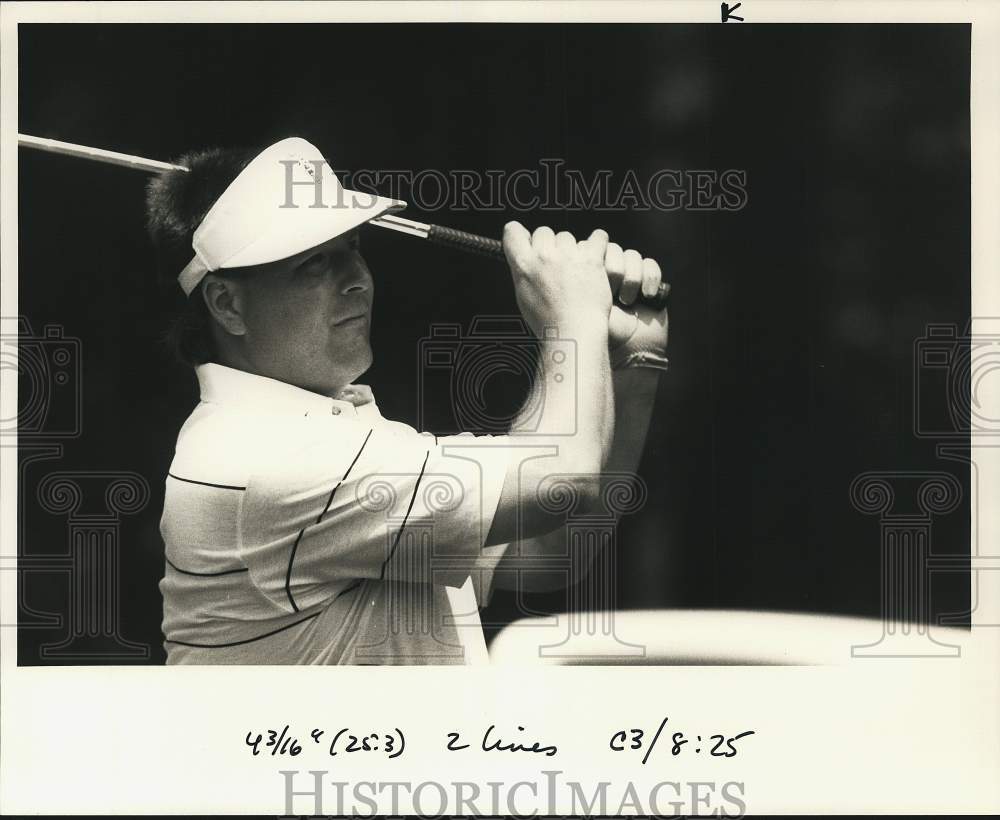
[{"x": 867, "y": 736}]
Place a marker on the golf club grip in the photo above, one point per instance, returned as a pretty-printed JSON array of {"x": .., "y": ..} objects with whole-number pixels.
[
  {"x": 483, "y": 245},
  {"x": 469, "y": 242}
]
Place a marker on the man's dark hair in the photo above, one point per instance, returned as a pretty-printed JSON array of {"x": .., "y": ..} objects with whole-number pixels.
[{"x": 176, "y": 203}]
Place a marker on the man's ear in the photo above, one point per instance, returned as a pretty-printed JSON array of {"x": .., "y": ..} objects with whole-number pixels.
[{"x": 224, "y": 300}]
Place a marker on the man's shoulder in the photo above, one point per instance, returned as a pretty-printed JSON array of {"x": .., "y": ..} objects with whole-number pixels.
[{"x": 218, "y": 438}]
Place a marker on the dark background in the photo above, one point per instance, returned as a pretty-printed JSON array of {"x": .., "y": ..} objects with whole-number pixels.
[{"x": 793, "y": 320}]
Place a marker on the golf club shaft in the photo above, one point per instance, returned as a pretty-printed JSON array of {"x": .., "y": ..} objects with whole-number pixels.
[
  {"x": 437, "y": 234},
  {"x": 71, "y": 149}
]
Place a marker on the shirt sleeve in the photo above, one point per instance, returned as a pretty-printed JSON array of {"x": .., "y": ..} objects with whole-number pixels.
[
  {"x": 346, "y": 502},
  {"x": 485, "y": 564},
  {"x": 484, "y": 572}
]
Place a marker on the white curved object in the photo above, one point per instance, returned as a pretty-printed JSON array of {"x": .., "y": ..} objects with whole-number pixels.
[{"x": 699, "y": 637}]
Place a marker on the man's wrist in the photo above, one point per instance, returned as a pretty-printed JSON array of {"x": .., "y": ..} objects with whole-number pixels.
[
  {"x": 587, "y": 340},
  {"x": 624, "y": 360},
  {"x": 591, "y": 325}
]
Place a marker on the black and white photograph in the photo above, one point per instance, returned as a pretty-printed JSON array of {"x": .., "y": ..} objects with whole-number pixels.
[{"x": 656, "y": 343}]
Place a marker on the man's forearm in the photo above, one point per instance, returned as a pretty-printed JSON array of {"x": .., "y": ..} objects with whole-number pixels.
[
  {"x": 564, "y": 429},
  {"x": 573, "y": 398},
  {"x": 634, "y": 396}
]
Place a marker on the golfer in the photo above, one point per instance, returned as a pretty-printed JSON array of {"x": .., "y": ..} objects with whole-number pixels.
[{"x": 302, "y": 527}]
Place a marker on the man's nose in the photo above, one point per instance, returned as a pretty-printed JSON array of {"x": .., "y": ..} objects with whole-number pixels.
[{"x": 359, "y": 280}]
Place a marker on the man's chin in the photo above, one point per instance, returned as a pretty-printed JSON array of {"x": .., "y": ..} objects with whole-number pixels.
[
  {"x": 368, "y": 363},
  {"x": 361, "y": 364}
]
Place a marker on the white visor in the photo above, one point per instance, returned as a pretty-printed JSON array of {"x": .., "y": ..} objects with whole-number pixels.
[{"x": 287, "y": 200}]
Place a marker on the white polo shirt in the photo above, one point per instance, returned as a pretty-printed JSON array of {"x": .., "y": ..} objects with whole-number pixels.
[{"x": 304, "y": 529}]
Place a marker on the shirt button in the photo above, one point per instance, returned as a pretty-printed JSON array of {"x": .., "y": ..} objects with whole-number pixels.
[{"x": 335, "y": 410}]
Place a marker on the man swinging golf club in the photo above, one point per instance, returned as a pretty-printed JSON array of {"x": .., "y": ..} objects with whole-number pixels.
[{"x": 300, "y": 525}]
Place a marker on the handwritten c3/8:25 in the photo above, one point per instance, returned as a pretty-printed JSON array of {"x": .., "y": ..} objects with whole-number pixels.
[{"x": 716, "y": 746}]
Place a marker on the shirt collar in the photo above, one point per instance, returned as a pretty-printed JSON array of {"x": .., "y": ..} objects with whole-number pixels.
[{"x": 227, "y": 385}]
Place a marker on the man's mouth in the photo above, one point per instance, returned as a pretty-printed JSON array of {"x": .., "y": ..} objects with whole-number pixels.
[{"x": 358, "y": 317}]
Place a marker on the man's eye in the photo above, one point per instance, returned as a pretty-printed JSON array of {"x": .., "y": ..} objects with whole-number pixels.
[{"x": 313, "y": 263}]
